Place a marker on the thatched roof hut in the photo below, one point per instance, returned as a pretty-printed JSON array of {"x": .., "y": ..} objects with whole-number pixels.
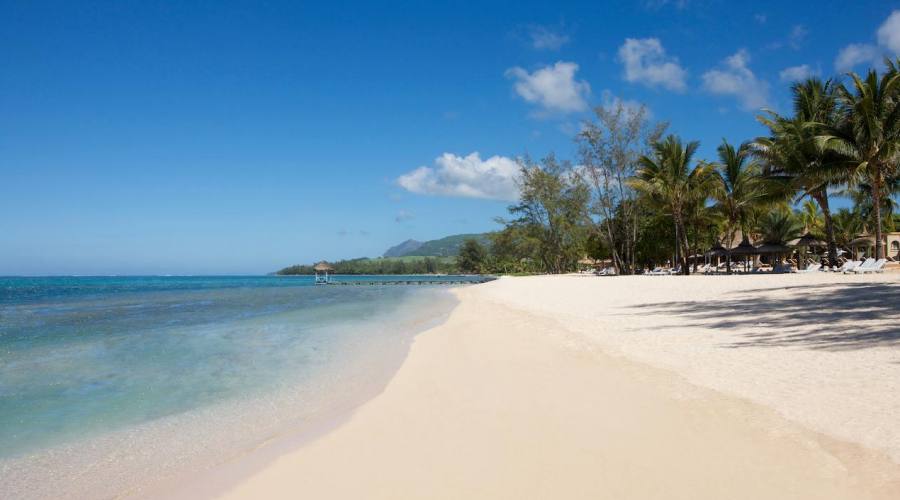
[
  {"x": 745, "y": 248},
  {"x": 322, "y": 270},
  {"x": 323, "y": 267},
  {"x": 808, "y": 240},
  {"x": 773, "y": 248},
  {"x": 717, "y": 250},
  {"x": 863, "y": 241}
]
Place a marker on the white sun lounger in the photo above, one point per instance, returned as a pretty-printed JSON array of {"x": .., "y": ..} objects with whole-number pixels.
[
  {"x": 810, "y": 269},
  {"x": 877, "y": 267},
  {"x": 848, "y": 267}
]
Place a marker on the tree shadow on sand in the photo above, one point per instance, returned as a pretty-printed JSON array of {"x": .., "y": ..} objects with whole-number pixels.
[{"x": 831, "y": 317}]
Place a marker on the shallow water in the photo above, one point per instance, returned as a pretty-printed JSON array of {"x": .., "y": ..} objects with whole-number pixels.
[{"x": 104, "y": 380}]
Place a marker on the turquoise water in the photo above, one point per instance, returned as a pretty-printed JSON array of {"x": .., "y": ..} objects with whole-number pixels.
[{"x": 85, "y": 358}]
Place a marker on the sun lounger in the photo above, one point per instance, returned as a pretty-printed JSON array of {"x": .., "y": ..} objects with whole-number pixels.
[
  {"x": 865, "y": 265},
  {"x": 607, "y": 271},
  {"x": 811, "y": 269},
  {"x": 849, "y": 266},
  {"x": 877, "y": 267}
]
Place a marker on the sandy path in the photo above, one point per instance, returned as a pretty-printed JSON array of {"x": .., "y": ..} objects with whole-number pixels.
[{"x": 498, "y": 403}]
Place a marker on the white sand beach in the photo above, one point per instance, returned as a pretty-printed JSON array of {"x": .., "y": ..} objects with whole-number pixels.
[{"x": 782, "y": 386}]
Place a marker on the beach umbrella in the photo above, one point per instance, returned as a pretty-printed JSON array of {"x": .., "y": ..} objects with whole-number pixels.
[
  {"x": 716, "y": 250},
  {"x": 807, "y": 241},
  {"x": 776, "y": 249},
  {"x": 863, "y": 241},
  {"x": 587, "y": 261},
  {"x": 773, "y": 248},
  {"x": 745, "y": 249},
  {"x": 810, "y": 241}
]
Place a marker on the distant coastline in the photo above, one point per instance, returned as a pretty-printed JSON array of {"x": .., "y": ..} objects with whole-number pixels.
[{"x": 411, "y": 265}]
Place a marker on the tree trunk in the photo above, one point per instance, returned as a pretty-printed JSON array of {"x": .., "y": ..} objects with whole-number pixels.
[
  {"x": 681, "y": 241},
  {"x": 821, "y": 198},
  {"x": 730, "y": 241},
  {"x": 876, "y": 202},
  {"x": 612, "y": 247},
  {"x": 677, "y": 242},
  {"x": 633, "y": 268}
]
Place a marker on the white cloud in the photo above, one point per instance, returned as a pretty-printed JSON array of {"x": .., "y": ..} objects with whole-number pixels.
[
  {"x": 646, "y": 62},
  {"x": 404, "y": 215},
  {"x": 889, "y": 32},
  {"x": 797, "y": 36},
  {"x": 554, "y": 87},
  {"x": 543, "y": 38},
  {"x": 855, "y": 54},
  {"x": 736, "y": 79},
  {"x": 796, "y": 73},
  {"x": 465, "y": 176}
]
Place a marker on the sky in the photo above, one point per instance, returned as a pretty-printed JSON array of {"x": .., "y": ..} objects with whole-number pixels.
[{"x": 221, "y": 137}]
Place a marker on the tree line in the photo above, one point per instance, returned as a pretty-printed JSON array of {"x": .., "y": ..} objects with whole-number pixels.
[
  {"x": 638, "y": 196},
  {"x": 423, "y": 265}
]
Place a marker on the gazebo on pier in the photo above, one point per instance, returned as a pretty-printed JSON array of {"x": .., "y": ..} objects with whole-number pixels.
[{"x": 322, "y": 269}]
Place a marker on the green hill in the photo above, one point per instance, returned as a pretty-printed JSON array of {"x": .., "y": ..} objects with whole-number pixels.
[
  {"x": 444, "y": 247},
  {"x": 403, "y": 248}
]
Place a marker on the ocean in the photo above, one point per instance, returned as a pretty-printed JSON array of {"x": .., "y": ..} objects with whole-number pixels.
[{"x": 108, "y": 381}]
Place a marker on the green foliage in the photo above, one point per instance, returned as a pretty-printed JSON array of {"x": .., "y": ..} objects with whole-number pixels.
[
  {"x": 640, "y": 201},
  {"x": 778, "y": 227},
  {"x": 847, "y": 225},
  {"x": 669, "y": 180},
  {"x": 610, "y": 147},
  {"x": 384, "y": 265},
  {"x": 512, "y": 250},
  {"x": 551, "y": 219},
  {"x": 472, "y": 258},
  {"x": 867, "y": 136},
  {"x": 446, "y": 247}
]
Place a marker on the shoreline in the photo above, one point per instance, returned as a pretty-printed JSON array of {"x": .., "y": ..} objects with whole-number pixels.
[
  {"x": 214, "y": 481},
  {"x": 444, "y": 403},
  {"x": 349, "y": 360}
]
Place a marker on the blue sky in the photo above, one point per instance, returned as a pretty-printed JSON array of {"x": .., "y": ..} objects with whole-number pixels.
[{"x": 239, "y": 137}]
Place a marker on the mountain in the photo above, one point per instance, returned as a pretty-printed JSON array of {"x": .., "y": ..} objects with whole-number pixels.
[
  {"x": 444, "y": 247},
  {"x": 403, "y": 248}
]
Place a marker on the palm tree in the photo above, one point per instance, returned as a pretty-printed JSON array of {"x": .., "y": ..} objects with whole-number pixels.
[
  {"x": 778, "y": 226},
  {"x": 667, "y": 178},
  {"x": 861, "y": 196},
  {"x": 738, "y": 189},
  {"x": 868, "y": 136},
  {"x": 811, "y": 217},
  {"x": 847, "y": 225},
  {"x": 794, "y": 154}
]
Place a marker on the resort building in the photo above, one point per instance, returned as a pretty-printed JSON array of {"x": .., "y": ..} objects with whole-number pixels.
[{"x": 864, "y": 245}]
